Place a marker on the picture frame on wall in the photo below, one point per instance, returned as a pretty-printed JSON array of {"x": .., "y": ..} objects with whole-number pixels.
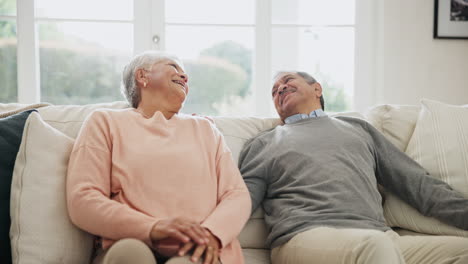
[{"x": 451, "y": 19}]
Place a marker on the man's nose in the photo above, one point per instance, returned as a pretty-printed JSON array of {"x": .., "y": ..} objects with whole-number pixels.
[{"x": 282, "y": 89}]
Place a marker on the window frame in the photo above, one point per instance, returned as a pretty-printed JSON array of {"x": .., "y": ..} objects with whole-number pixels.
[{"x": 149, "y": 22}]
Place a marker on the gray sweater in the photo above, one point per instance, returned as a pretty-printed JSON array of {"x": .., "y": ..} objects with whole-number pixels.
[{"x": 324, "y": 172}]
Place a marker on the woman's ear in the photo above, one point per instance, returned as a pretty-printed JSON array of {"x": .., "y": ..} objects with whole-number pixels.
[{"x": 140, "y": 77}]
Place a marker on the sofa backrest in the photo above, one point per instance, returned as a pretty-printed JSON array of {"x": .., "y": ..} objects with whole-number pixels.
[
  {"x": 69, "y": 118},
  {"x": 395, "y": 122}
]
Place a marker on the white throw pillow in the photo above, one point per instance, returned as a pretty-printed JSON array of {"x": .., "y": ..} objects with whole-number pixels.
[
  {"x": 439, "y": 144},
  {"x": 41, "y": 231}
]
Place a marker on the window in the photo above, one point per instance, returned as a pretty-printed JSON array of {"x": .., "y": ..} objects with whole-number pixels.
[
  {"x": 317, "y": 37},
  {"x": 231, "y": 49},
  {"x": 82, "y": 50},
  {"x": 217, "y": 50},
  {"x": 8, "y": 41}
]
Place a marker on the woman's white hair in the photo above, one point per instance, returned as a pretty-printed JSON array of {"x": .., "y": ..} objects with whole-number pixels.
[{"x": 145, "y": 60}]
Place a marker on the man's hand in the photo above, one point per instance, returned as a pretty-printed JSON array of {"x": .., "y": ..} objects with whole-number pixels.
[
  {"x": 181, "y": 229},
  {"x": 210, "y": 251}
]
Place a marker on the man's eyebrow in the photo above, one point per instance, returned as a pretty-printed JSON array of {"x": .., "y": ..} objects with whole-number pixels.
[
  {"x": 282, "y": 78},
  {"x": 286, "y": 76}
]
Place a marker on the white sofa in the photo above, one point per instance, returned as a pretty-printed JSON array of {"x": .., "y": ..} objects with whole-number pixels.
[{"x": 395, "y": 122}]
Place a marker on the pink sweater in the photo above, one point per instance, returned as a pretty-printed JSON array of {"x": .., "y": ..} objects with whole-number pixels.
[{"x": 127, "y": 172}]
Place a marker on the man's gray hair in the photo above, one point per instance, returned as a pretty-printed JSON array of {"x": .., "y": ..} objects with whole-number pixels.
[
  {"x": 145, "y": 60},
  {"x": 308, "y": 78}
]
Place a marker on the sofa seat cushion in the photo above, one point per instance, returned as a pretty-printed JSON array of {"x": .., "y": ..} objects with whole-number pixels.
[
  {"x": 406, "y": 232},
  {"x": 11, "y": 130},
  {"x": 256, "y": 256},
  {"x": 41, "y": 231},
  {"x": 254, "y": 234}
]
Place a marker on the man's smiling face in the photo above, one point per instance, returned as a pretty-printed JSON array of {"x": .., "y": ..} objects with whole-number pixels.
[{"x": 293, "y": 95}]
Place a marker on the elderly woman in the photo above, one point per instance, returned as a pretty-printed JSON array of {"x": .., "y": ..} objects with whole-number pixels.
[{"x": 154, "y": 185}]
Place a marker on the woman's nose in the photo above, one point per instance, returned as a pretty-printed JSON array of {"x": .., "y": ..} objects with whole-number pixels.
[{"x": 184, "y": 77}]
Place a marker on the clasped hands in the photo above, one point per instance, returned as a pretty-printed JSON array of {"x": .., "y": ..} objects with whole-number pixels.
[{"x": 178, "y": 236}]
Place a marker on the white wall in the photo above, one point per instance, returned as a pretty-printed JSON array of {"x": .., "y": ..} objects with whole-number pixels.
[{"x": 408, "y": 64}]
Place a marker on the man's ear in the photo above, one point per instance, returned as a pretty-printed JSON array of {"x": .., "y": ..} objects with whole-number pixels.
[
  {"x": 140, "y": 77},
  {"x": 318, "y": 89}
]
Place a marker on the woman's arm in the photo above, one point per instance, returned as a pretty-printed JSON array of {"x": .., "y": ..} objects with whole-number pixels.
[
  {"x": 234, "y": 204},
  {"x": 89, "y": 187}
]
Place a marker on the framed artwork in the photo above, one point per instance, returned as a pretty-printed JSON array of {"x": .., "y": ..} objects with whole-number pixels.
[{"x": 451, "y": 19}]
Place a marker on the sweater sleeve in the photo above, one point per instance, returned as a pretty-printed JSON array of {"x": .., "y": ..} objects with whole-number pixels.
[
  {"x": 404, "y": 177},
  {"x": 232, "y": 210},
  {"x": 253, "y": 170},
  {"x": 89, "y": 187}
]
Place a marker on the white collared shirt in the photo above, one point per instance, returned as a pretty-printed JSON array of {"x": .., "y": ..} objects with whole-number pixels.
[{"x": 294, "y": 118}]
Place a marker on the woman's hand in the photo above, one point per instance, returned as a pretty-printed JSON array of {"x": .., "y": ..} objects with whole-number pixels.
[
  {"x": 180, "y": 229},
  {"x": 210, "y": 251}
]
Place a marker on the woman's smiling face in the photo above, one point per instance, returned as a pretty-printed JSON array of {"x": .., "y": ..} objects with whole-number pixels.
[{"x": 168, "y": 82}]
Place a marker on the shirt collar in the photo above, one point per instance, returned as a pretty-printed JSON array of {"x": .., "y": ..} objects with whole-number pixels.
[{"x": 297, "y": 117}]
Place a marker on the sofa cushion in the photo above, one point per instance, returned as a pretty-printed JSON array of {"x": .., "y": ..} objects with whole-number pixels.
[
  {"x": 254, "y": 234},
  {"x": 256, "y": 256},
  {"x": 400, "y": 214},
  {"x": 349, "y": 114},
  {"x": 406, "y": 232},
  {"x": 68, "y": 119},
  {"x": 11, "y": 130},
  {"x": 237, "y": 130},
  {"x": 440, "y": 144},
  {"x": 395, "y": 122},
  {"x": 10, "y": 107},
  {"x": 41, "y": 231},
  {"x": 17, "y": 108}
]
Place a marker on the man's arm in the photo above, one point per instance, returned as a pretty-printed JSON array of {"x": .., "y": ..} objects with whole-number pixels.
[
  {"x": 404, "y": 177},
  {"x": 252, "y": 165}
]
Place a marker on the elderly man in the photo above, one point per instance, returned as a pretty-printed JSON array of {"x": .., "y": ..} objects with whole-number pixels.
[{"x": 316, "y": 177}]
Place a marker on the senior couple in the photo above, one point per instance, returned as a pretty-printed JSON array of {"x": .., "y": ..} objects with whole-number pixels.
[{"x": 158, "y": 186}]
